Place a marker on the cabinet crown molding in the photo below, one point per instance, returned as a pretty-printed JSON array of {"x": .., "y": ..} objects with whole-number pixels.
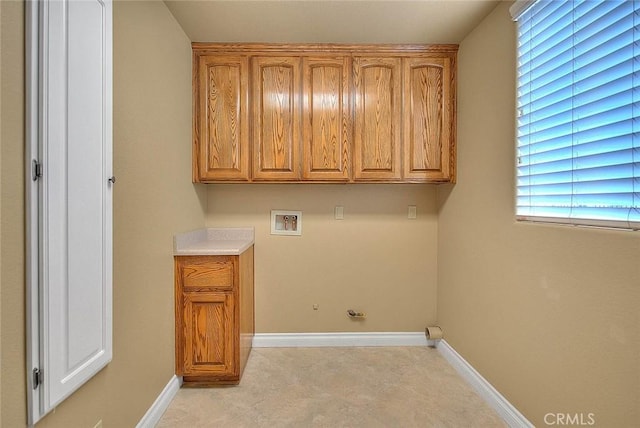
[{"x": 315, "y": 48}]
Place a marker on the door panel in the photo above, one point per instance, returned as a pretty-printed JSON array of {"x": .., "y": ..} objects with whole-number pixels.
[
  {"x": 71, "y": 200},
  {"x": 326, "y": 132},
  {"x": 276, "y": 108},
  {"x": 209, "y": 322},
  {"x": 377, "y": 118},
  {"x": 222, "y": 139},
  {"x": 427, "y": 109}
]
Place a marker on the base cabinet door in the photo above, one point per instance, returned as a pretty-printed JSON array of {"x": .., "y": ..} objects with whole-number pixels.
[{"x": 208, "y": 330}]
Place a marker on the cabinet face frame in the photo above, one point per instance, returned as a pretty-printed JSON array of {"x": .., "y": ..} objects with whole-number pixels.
[
  {"x": 326, "y": 112},
  {"x": 220, "y": 118},
  {"x": 275, "y": 92},
  {"x": 378, "y": 118}
]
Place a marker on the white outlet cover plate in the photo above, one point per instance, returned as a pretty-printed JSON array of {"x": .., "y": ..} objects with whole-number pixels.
[{"x": 285, "y": 222}]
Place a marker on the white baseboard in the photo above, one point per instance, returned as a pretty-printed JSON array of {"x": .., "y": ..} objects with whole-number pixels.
[
  {"x": 157, "y": 409},
  {"x": 309, "y": 340},
  {"x": 509, "y": 414}
]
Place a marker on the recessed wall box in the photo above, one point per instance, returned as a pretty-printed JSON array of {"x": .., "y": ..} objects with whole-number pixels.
[{"x": 286, "y": 222}]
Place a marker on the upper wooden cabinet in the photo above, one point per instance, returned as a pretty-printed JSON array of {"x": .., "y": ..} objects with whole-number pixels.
[
  {"x": 221, "y": 118},
  {"x": 324, "y": 113}
]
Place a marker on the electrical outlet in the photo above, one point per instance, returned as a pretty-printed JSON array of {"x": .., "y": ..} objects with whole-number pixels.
[
  {"x": 339, "y": 212},
  {"x": 413, "y": 212}
]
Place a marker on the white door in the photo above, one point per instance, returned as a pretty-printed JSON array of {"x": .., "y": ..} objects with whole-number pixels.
[{"x": 70, "y": 192}]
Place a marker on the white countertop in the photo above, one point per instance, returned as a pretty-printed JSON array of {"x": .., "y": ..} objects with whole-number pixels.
[{"x": 223, "y": 241}]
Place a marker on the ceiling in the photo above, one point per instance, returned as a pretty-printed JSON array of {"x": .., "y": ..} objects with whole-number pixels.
[{"x": 329, "y": 21}]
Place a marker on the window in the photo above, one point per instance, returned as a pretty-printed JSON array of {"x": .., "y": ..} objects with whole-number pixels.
[{"x": 578, "y": 96}]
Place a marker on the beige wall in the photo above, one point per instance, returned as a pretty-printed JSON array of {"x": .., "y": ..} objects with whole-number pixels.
[
  {"x": 153, "y": 199},
  {"x": 548, "y": 314},
  {"x": 0, "y": 216},
  {"x": 375, "y": 260},
  {"x": 13, "y": 394}
]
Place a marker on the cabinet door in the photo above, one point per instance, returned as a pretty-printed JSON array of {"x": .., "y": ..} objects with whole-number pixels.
[
  {"x": 326, "y": 130},
  {"x": 221, "y": 127},
  {"x": 378, "y": 118},
  {"x": 428, "y": 136},
  {"x": 276, "y": 114},
  {"x": 208, "y": 334}
]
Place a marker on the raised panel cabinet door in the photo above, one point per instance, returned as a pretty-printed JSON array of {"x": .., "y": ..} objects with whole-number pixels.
[
  {"x": 326, "y": 129},
  {"x": 276, "y": 118},
  {"x": 428, "y": 118},
  {"x": 209, "y": 337},
  {"x": 221, "y": 128},
  {"x": 378, "y": 118}
]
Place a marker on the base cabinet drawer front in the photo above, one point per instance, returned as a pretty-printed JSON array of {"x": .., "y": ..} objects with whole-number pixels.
[
  {"x": 205, "y": 272},
  {"x": 209, "y": 322},
  {"x": 214, "y": 313}
]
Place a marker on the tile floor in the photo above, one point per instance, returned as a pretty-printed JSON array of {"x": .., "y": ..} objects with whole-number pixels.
[{"x": 337, "y": 387}]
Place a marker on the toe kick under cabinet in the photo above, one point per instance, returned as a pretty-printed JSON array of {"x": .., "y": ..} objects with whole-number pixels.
[{"x": 214, "y": 317}]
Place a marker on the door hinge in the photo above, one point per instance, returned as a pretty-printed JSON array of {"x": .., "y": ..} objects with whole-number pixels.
[
  {"x": 37, "y": 378},
  {"x": 36, "y": 170}
]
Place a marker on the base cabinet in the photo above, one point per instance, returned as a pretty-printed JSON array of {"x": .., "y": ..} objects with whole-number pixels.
[{"x": 214, "y": 317}]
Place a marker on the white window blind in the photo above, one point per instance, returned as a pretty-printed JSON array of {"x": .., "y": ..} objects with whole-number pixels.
[{"x": 578, "y": 148}]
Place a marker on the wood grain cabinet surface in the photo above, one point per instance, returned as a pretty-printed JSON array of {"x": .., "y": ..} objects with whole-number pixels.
[
  {"x": 429, "y": 127},
  {"x": 378, "y": 118},
  {"x": 276, "y": 114},
  {"x": 326, "y": 131},
  {"x": 214, "y": 317},
  {"x": 221, "y": 121},
  {"x": 324, "y": 113}
]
